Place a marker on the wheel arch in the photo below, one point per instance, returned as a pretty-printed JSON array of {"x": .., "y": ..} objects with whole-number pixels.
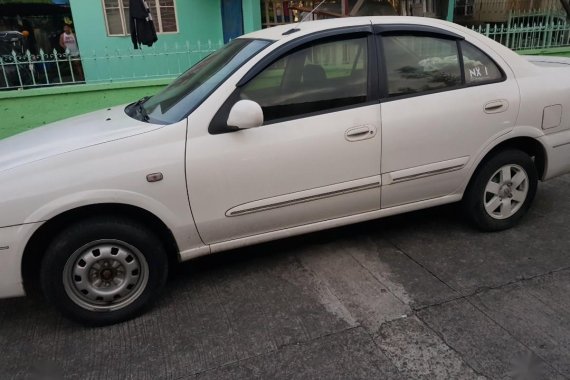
[
  {"x": 527, "y": 144},
  {"x": 35, "y": 247}
]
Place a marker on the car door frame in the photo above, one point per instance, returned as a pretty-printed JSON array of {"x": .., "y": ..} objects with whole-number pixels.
[
  {"x": 218, "y": 123},
  {"x": 381, "y": 30},
  {"x": 455, "y": 170}
]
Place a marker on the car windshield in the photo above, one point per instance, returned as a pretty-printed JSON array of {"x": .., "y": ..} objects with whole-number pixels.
[{"x": 191, "y": 88}]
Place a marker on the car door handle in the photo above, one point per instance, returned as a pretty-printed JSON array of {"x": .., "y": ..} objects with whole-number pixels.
[
  {"x": 361, "y": 132},
  {"x": 496, "y": 106}
]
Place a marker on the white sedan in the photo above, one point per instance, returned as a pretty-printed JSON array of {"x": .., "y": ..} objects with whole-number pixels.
[{"x": 281, "y": 132}]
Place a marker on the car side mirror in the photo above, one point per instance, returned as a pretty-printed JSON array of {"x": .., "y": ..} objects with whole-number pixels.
[{"x": 245, "y": 114}]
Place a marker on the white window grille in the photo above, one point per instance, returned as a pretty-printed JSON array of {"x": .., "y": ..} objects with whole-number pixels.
[{"x": 117, "y": 16}]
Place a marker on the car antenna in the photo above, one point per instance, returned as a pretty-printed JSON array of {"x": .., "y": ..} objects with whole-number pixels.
[{"x": 296, "y": 27}]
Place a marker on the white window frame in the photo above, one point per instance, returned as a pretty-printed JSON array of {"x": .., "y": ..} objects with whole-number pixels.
[{"x": 124, "y": 21}]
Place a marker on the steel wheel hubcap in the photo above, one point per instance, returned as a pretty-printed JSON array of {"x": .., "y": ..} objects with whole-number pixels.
[
  {"x": 506, "y": 191},
  {"x": 105, "y": 275}
]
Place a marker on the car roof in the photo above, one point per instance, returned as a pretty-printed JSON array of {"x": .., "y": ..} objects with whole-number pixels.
[
  {"x": 307, "y": 27},
  {"x": 518, "y": 64}
]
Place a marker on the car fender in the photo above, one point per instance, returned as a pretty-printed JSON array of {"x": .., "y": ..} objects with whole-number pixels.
[
  {"x": 107, "y": 196},
  {"x": 183, "y": 229},
  {"x": 496, "y": 140},
  {"x": 13, "y": 241}
]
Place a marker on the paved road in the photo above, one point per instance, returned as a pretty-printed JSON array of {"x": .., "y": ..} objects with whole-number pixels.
[{"x": 419, "y": 296}]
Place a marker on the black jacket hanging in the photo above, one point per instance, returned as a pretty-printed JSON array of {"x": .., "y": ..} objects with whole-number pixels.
[{"x": 142, "y": 26}]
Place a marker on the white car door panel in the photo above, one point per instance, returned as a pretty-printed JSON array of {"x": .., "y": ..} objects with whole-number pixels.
[
  {"x": 317, "y": 156},
  {"x": 284, "y": 174},
  {"x": 443, "y": 129},
  {"x": 429, "y": 140}
]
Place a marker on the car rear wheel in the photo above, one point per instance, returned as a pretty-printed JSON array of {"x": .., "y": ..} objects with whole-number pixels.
[
  {"x": 103, "y": 270},
  {"x": 502, "y": 191}
]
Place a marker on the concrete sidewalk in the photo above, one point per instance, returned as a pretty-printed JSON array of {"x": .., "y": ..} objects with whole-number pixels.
[{"x": 418, "y": 296}]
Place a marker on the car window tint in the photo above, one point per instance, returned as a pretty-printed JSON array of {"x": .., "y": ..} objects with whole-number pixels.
[
  {"x": 478, "y": 66},
  {"x": 191, "y": 88},
  {"x": 317, "y": 78},
  {"x": 417, "y": 64}
]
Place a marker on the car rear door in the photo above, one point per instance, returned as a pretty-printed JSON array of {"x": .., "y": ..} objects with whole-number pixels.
[
  {"x": 315, "y": 158},
  {"x": 443, "y": 100}
]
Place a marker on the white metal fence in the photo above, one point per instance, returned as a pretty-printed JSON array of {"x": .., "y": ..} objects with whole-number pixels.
[
  {"x": 27, "y": 70},
  {"x": 55, "y": 68},
  {"x": 528, "y": 36}
]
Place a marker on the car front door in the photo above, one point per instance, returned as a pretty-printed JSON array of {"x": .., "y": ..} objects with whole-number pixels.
[
  {"x": 444, "y": 100},
  {"x": 315, "y": 158}
]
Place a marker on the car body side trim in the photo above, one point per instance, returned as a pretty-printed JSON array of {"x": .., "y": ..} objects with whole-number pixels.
[
  {"x": 305, "y": 196},
  {"x": 425, "y": 170},
  {"x": 428, "y": 174},
  {"x": 561, "y": 144},
  {"x": 331, "y": 223},
  {"x": 192, "y": 253}
]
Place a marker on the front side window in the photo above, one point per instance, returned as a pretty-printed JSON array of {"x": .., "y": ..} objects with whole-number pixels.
[
  {"x": 317, "y": 78},
  {"x": 417, "y": 64},
  {"x": 189, "y": 90},
  {"x": 117, "y": 16}
]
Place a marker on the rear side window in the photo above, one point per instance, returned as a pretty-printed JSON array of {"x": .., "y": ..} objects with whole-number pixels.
[
  {"x": 317, "y": 78},
  {"x": 479, "y": 68},
  {"x": 416, "y": 64}
]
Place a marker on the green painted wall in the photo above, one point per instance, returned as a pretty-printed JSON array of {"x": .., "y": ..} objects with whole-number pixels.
[
  {"x": 18, "y": 115},
  {"x": 198, "y": 21},
  {"x": 251, "y": 15},
  {"x": 554, "y": 52}
]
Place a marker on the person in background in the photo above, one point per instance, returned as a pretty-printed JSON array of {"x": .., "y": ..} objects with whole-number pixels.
[
  {"x": 286, "y": 11},
  {"x": 68, "y": 42},
  {"x": 27, "y": 29},
  {"x": 26, "y": 40},
  {"x": 279, "y": 14}
]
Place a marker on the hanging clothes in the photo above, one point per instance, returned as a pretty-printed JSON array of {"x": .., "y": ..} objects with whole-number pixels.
[{"x": 143, "y": 31}]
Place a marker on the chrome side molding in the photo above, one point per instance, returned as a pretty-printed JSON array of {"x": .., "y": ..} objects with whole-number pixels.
[{"x": 237, "y": 211}]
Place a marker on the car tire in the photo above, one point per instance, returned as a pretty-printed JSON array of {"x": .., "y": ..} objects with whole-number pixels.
[
  {"x": 103, "y": 271},
  {"x": 501, "y": 190}
]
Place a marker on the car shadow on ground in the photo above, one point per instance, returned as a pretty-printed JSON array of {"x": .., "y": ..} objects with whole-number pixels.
[
  {"x": 437, "y": 221},
  {"x": 34, "y": 306},
  {"x": 369, "y": 286},
  {"x": 445, "y": 215}
]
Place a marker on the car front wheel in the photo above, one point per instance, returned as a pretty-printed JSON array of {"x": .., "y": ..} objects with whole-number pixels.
[
  {"x": 501, "y": 191},
  {"x": 103, "y": 270}
]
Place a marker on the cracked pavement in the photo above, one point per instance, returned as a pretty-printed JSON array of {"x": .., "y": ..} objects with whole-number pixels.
[{"x": 417, "y": 296}]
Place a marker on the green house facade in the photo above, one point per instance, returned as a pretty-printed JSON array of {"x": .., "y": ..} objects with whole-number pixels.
[{"x": 187, "y": 31}]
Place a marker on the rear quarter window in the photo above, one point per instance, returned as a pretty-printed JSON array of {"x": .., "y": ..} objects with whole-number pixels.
[{"x": 479, "y": 68}]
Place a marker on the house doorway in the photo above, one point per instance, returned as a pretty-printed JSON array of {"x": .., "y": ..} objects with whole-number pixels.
[{"x": 232, "y": 19}]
